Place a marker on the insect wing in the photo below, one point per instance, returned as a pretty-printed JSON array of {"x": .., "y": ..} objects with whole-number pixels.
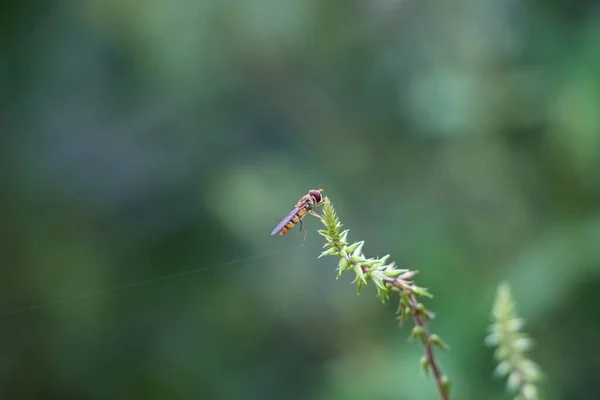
[{"x": 285, "y": 221}]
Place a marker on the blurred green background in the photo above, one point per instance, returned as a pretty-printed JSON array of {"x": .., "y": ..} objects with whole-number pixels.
[{"x": 147, "y": 138}]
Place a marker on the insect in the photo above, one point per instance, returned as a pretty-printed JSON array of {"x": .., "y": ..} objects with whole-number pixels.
[{"x": 304, "y": 206}]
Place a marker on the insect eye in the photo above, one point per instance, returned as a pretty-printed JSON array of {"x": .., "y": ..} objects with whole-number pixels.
[{"x": 316, "y": 194}]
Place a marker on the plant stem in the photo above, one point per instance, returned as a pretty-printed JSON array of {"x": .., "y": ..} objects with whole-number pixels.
[
  {"x": 419, "y": 321},
  {"x": 387, "y": 278},
  {"x": 437, "y": 372}
]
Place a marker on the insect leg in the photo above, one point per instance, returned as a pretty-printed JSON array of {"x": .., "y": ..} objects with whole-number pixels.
[
  {"x": 315, "y": 214},
  {"x": 302, "y": 229}
]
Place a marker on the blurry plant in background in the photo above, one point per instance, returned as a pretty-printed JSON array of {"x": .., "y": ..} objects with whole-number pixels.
[
  {"x": 141, "y": 139},
  {"x": 512, "y": 346}
]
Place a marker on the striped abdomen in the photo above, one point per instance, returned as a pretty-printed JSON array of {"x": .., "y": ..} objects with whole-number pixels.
[{"x": 294, "y": 220}]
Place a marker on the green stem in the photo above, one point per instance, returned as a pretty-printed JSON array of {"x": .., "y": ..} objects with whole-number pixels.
[
  {"x": 387, "y": 277},
  {"x": 433, "y": 364}
]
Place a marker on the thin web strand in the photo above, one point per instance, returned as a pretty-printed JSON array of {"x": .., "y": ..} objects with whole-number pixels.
[{"x": 144, "y": 282}]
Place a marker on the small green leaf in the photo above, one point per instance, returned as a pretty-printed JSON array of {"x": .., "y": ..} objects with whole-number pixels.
[
  {"x": 358, "y": 251},
  {"x": 384, "y": 294},
  {"x": 501, "y": 353},
  {"x": 343, "y": 236},
  {"x": 329, "y": 244},
  {"x": 530, "y": 369},
  {"x": 446, "y": 385},
  {"x": 502, "y": 369},
  {"x": 425, "y": 365},
  {"x": 359, "y": 286},
  {"x": 522, "y": 344},
  {"x": 360, "y": 276},
  {"x": 492, "y": 339},
  {"x": 353, "y": 246},
  {"x": 391, "y": 273},
  {"x": 357, "y": 260},
  {"x": 371, "y": 262},
  {"x": 419, "y": 291},
  {"x": 515, "y": 325},
  {"x": 332, "y": 251},
  {"x": 419, "y": 333},
  {"x": 379, "y": 282},
  {"x": 529, "y": 391},
  {"x": 436, "y": 340},
  {"x": 514, "y": 380}
]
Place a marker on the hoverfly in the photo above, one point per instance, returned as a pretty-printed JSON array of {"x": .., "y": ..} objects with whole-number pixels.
[{"x": 304, "y": 206}]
